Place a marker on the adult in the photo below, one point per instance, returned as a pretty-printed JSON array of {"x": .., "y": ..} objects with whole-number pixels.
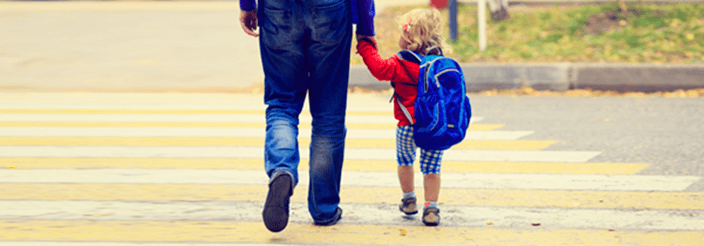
[{"x": 305, "y": 49}]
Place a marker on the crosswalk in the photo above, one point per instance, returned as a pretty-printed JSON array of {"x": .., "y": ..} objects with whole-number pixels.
[{"x": 186, "y": 169}]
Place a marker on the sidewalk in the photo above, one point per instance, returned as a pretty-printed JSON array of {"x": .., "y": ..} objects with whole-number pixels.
[
  {"x": 565, "y": 76},
  {"x": 200, "y": 47}
]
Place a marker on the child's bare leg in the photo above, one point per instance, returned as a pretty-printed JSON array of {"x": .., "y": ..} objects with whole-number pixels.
[
  {"x": 405, "y": 177},
  {"x": 408, "y": 203},
  {"x": 431, "y": 182}
]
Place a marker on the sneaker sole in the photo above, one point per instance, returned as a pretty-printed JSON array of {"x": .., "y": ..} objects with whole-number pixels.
[
  {"x": 428, "y": 223},
  {"x": 431, "y": 223},
  {"x": 275, "y": 212},
  {"x": 434, "y": 216},
  {"x": 409, "y": 213}
]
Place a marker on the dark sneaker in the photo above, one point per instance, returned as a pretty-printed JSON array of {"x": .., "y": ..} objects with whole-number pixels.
[
  {"x": 431, "y": 216},
  {"x": 276, "y": 210},
  {"x": 334, "y": 220},
  {"x": 408, "y": 205}
]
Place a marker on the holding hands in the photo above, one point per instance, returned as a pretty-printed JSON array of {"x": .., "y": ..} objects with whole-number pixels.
[{"x": 370, "y": 39}]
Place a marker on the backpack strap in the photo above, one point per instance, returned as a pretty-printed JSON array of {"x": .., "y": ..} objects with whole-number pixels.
[
  {"x": 427, "y": 53},
  {"x": 427, "y": 66},
  {"x": 404, "y": 109},
  {"x": 411, "y": 56}
]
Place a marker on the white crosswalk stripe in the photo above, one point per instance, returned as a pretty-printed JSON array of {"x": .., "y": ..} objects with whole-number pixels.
[
  {"x": 362, "y": 119},
  {"x": 257, "y": 152},
  {"x": 353, "y": 179},
  {"x": 219, "y": 132},
  {"x": 376, "y": 179},
  {"x": 462, "y": 216}
]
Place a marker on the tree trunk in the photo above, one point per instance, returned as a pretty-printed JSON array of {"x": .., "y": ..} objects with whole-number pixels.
[{"x": 499, "y": 9}]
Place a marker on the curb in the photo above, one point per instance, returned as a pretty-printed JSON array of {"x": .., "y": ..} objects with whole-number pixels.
[{"x": 564, "y": 76}]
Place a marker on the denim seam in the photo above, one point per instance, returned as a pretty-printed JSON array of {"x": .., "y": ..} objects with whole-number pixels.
[{"x": 329, "y": 220}]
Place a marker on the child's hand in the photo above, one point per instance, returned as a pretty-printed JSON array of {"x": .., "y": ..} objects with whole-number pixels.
[
  {"x": 367, "y": 38},
  {"x": 362, "y": 38}
]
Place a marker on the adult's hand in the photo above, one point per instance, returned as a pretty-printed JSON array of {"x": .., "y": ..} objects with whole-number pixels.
[
  {"x": 248, "y": 19},
  {"x": 361, "y": 38}
]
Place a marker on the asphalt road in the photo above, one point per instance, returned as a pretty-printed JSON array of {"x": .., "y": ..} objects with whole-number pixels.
[{"x": 666, "y": 132}]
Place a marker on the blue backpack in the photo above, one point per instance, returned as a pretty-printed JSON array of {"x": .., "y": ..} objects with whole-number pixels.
[{"x": 442, "y": 108}]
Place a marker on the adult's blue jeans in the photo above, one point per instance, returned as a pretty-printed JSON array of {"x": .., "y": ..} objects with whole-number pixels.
[{"x": 305, "y": 49}]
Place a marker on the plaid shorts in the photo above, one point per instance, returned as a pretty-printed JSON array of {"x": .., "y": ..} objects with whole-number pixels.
[{"x": 406, "y": 152}]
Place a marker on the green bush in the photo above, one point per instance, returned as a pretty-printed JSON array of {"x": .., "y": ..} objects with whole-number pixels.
[{"x": 664, "y": 33}]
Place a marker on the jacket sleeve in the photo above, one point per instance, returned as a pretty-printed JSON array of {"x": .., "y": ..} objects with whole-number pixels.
[
  {"x": 365, "y": 17},
  {"x": 381, "y": 69},
  {"x": 248, "y": 5}
]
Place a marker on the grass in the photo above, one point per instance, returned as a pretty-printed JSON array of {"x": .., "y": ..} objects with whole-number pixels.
[{"x": 649, "y": 33}]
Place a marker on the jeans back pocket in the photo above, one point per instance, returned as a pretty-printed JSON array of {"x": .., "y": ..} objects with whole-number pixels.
[
  {"x": 330, "y": 22},
  {"x": 276, "y": 28}
]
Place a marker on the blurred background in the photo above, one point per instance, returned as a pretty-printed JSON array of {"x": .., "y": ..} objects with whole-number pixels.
[{"x": 198, "y": 46}]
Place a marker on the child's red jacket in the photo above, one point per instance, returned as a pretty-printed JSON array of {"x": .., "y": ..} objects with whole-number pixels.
[{"x": 404, "y": 74}]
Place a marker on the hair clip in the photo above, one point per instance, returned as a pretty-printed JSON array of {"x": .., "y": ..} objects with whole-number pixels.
[{"x": 406, "y": 26}]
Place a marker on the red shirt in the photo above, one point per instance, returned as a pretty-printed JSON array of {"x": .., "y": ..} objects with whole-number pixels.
[{"x": 404, "y": 74}]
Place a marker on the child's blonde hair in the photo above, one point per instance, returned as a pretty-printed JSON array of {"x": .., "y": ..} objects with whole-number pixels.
[{"x": 421, "y": 29}]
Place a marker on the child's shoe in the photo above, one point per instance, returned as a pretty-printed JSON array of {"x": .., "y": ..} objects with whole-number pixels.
[
  {"x": 431, "y": 216},
  {"x": 408, "y": 205}
]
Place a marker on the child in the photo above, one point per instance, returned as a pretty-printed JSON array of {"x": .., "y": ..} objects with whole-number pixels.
[{"x": 421, "y": 29}]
